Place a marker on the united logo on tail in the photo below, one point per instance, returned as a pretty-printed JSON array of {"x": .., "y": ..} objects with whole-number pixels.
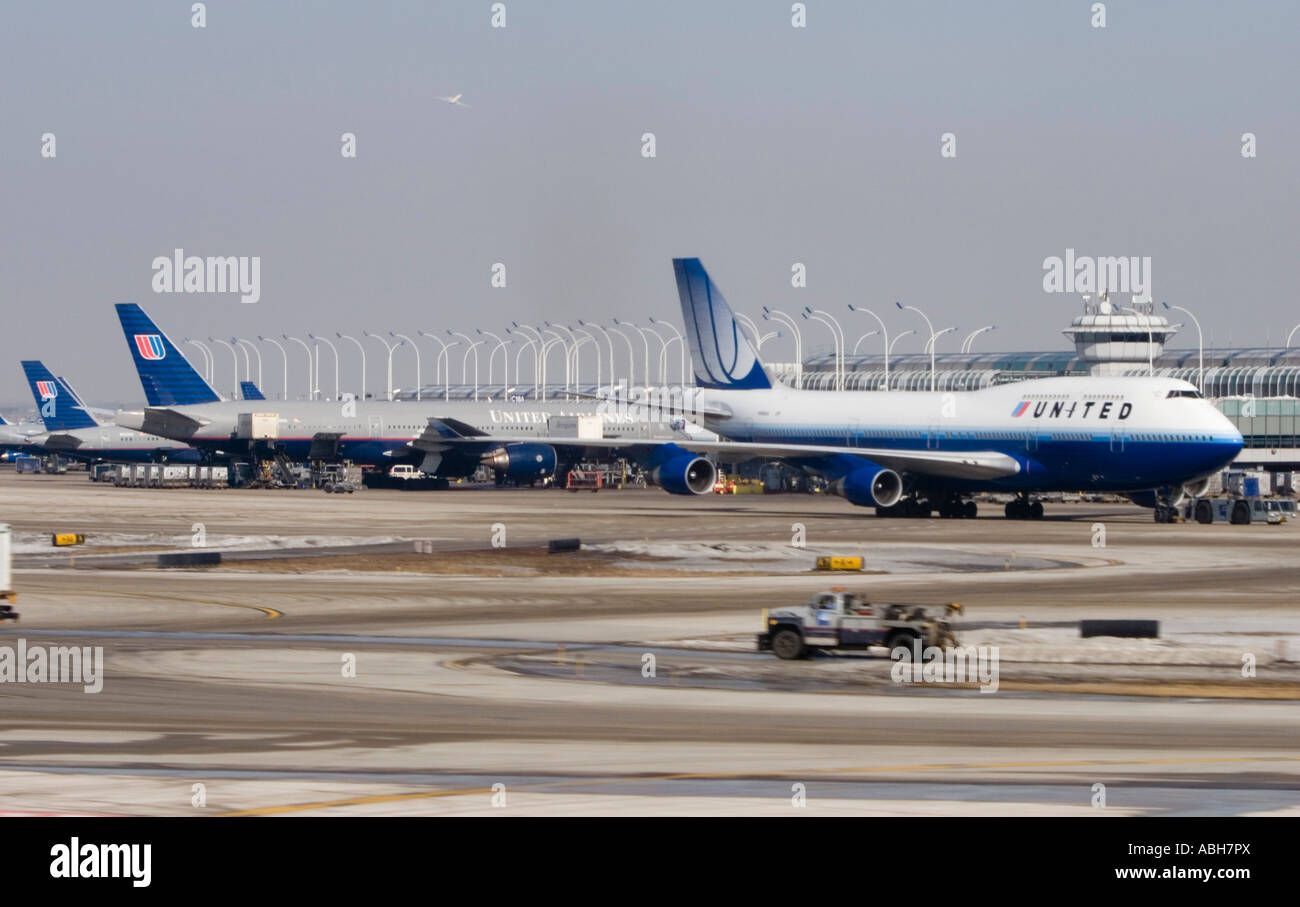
[
  {"x": 47, "y": 389},
  {"x": 150, "y": 346}
]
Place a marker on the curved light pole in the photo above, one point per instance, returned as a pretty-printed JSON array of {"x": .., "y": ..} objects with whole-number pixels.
[
  {"x": 389, "y": 347},
  {"x": 546, "y": 348},
  {"x": 471, "y": 347},
  {"x": 631, "y": 356},
  {"x": 207, "y": 358},
  {"x": 970, "y": 338},
  {"x": 837, "y": 333},
  {"x": 329, "y": 343},
  {"x": 310, "y": 372},
  {"x": 862, "y": 338},
  {"x": 256, "y": 352},
  {"x": 1200, "y": 346},
  {"x": 645, "y": 341},
  {"x": 416, "y": 349},
  {"x": 363, "y": 360},
  {"x": 747, "y": 323},
  {"x": 587, "y": 336},
  {"x": 663, "y": 353},
  {"x": 505, "y": 361},
  {"x": 539, "y": 361},
  {"x": 1290, "y": 335},
  {"x": 930, "y": 325},
  {"x": 884, "y": 333},
  {"x": 773, "y": 315},
  {"x": 444, "y": 346},
  {"x": 681, "y": 343},
  {"x": 570, "y": 355},
  {"x": 284, "y": 390},
  {"x": 1151, "y": 340},
  {"x": 531, "y": 344},
  {"x": 930, "y": 345},
  {"x": 234, "y": 357},
  {"x": 898, "y": 337},
  {"x": 610, "y": 341}
]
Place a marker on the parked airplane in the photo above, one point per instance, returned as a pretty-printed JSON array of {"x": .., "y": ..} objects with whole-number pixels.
[
  {"x": 14, "y": 439},
  {"x": 182, "y": 406},
  {"x": 914, "y": 453},
  {"x": 71, "y": 431}
]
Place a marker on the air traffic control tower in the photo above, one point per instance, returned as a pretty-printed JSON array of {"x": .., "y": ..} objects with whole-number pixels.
[{"x": 1114, "y": 339}]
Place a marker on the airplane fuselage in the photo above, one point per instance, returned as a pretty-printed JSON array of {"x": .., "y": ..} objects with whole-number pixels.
[{"x": 1067, "y": 434}]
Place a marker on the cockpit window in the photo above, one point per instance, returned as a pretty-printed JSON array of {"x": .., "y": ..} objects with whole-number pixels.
[{"x": 1195, "y": 394}]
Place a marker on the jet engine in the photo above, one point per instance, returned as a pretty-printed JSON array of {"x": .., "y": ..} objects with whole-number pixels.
[
  {"x": 870, "y": 485},
  {"x": 685, "y": 473},
  {"x": 522, "y": 462}
]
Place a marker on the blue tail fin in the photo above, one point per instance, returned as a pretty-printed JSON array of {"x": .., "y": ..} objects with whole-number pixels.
[
  {"x": 723, "y": 358},
  {"x": 168, "y": 379},
  {"x": 60, "y": 409},
  {"x": 248, "y": 391}
]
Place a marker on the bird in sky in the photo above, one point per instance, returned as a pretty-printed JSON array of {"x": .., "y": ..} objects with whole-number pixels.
[{"x": 455, "y": 99}]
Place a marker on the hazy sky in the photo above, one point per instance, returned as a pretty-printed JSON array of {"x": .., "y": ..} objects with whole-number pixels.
[{"x": 775, "y": 145}]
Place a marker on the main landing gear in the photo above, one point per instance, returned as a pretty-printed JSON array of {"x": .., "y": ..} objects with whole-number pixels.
[
  {"x": 1024, "y": 509},
  {"x": 949, "y": 508}
]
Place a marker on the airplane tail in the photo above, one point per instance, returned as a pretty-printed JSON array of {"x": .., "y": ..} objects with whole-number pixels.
[
  {"x": 248, "y": 390},
  {"x": 168, "y": 379},
  {"x": 723, "y": 357},
  {"x": 59, "y": 407}
]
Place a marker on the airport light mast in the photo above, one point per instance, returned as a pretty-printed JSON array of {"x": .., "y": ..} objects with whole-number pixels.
[
  {"x": 284, "y": 389},
  {"x": 933, "y": 376},
  {"x": 884, "y": 333},
  {"x": 774, "y": 315},
  {"x": 539, "y": 360},
  {"x": 416, "y": 349},
  {"x": 966, "y": 345},
  {"x": 610, "y": 341},
  {"x": 505, "y": 361},
  {"x": 645, "y": 341},
  {"x": 1200, "y": 346},
  {"x": 862, "y": 338},
  {"x": 471, "y": 347},
  {"x": 681, "y": 343},
  {"x": 570, "y": 356},
  {"x": 256, "y": 352},
  {"x": 837, "y": 333},
  {"x": 234, "y": 357},
  {"x": 207, "y": 358},
  {"x": 587, "y": 336},
  {"x": 363, "y": 361},
  {"x": 437, "y": 362},
  {"x": 335, "y": 349},
  {"x": 930, "y": 345},
  {"x": 898, "y": 337},
  {"x": 311, "y": 389}
]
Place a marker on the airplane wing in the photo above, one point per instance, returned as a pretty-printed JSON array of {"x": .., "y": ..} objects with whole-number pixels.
[
  {"x": 168, "y": 423},
  {"x": 442, "y": 435},
  {"x": 62, "y": 441}
]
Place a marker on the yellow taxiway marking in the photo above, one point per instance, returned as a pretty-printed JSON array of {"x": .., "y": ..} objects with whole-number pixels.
[
  {"x": 725, "y": 776},
  {"x": 271, "y": 613}
]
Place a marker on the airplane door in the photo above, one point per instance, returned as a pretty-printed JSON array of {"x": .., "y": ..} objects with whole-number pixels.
[
  {"x": 1117, "y": 439},
  {"x": 932, "y": 438},
  {"x": 376, "y": 426},
  {"x": 1031, "y": 439}
]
